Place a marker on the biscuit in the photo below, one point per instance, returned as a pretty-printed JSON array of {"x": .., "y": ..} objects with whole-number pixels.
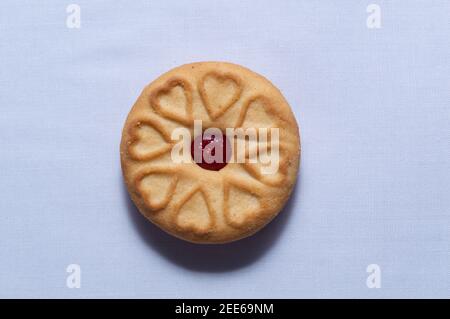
[{"x": 210, "y": 203}]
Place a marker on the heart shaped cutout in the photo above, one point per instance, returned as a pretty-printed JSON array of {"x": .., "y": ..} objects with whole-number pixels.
[
  {"x": 148, "y": 140},
  {"x": 174, "y": 101},
  {"x": 194, "y": 213},
  {"x": 156, "y": 187},
  {"x": 219, "y": 92},
  {"x": 241, "y": 204},
  {"x": 257, "y": 112}
]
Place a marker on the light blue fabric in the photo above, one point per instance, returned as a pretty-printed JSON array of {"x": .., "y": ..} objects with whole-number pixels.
[{"x": 374, "y": 111}]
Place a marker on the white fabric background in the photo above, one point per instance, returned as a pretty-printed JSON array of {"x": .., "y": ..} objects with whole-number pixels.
[{"x": 373, "y": 106}]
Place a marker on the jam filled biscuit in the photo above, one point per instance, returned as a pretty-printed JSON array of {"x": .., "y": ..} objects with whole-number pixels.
[{"x": 210, "y": 152}]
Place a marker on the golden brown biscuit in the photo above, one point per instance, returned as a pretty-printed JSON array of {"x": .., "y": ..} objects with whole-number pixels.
[{"x": 202, "y": 205}]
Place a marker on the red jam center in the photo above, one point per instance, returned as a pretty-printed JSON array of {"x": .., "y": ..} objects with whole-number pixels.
[{"x": 211, "y": 152}]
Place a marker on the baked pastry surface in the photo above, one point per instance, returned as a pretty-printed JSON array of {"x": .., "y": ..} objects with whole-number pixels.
[{"x": 184, "y": 199}]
